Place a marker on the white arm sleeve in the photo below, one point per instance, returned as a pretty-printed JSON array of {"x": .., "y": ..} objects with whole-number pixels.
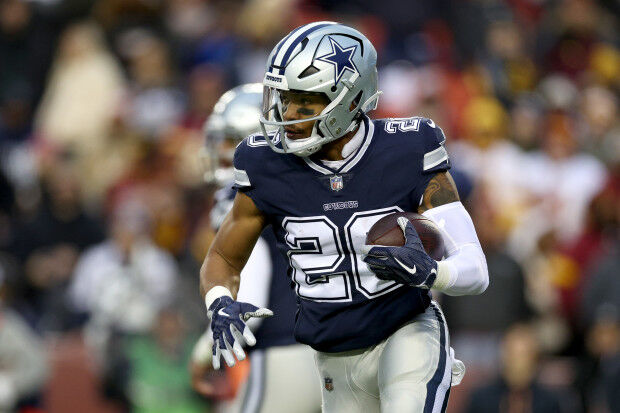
[{"x": 464, "y": 270}]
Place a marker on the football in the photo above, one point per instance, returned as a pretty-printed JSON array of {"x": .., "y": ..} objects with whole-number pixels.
[{"x": 387, "y": 232}]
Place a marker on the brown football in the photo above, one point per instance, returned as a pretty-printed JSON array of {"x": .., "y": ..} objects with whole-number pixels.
[{"x": 387, "y": 232}]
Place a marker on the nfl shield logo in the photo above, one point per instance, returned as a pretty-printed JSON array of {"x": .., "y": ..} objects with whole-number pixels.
[
  {"x": 329, "y": 384},
  {"x": 336, "y": 182}
]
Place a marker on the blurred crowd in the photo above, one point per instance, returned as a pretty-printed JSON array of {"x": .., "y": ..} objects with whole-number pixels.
[{"x": 104, "y": 216}]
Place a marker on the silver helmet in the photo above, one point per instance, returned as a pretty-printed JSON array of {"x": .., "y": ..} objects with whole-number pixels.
[
  {"x": 324, "y": 57},
  {"x": 235, "y": 116}
]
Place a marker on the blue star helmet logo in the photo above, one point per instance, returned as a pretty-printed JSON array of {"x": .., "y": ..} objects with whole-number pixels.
[{"x": 342, "y": 59}]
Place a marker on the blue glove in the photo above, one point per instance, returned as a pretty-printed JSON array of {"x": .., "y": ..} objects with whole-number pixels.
[
  {"x": 228, "y": 319},
  {"x": 409, "y": 264}
]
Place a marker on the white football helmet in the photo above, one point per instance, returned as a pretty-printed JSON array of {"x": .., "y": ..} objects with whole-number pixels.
[
  {"x": 235, "y": 116},
  {"x": 324, "y": 57}
]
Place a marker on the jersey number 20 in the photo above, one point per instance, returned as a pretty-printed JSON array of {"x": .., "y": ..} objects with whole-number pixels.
[{"x": 327, "y": 267}]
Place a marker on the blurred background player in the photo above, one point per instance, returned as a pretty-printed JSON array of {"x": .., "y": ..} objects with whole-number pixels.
[{"x": 282, "y": 372}]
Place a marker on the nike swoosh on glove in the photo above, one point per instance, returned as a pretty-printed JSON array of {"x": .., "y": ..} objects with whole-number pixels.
[
  {"x": 228, "y": 319},
  {"x": 409, "y": 264}
]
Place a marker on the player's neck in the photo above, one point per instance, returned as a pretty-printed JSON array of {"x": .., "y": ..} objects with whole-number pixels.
[{"x": 332, "y": 151}]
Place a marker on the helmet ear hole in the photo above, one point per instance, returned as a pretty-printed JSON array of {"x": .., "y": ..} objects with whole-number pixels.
[
  {"x": 334, "y": 88},
  {"x": 355, "y": 104}
]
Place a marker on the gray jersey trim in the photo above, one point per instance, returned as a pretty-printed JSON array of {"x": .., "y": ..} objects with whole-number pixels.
[
  {"x": 241, "y": 177},
  {"x": 434, "y": 158}
]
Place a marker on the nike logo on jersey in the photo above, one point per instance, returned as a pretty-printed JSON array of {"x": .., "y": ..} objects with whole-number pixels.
[{"x": 406, "y": 268}]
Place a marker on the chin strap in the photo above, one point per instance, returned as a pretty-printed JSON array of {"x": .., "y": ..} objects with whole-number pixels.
[
  {"x": 304, "y": 153},
  {"x": 316, "y": 134}
]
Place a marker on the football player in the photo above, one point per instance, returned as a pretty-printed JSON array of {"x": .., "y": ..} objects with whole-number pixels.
[
  {"x": 321, "y": 179},
  {"x": 282, "y": 371}
]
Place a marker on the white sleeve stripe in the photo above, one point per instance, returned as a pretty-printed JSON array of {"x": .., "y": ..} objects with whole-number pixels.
[
  {"x": 434, "y": 158},
  {"x": 241, "y": 177}
]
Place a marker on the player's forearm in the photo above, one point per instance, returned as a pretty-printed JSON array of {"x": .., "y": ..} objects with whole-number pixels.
[
  {"x": 232, "y": 247},
  {"x": 216, "y": 270},
  {"x": 464, "y": 271}
]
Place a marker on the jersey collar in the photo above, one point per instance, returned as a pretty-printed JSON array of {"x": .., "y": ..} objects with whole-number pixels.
[{"x": 351, "y": 160}]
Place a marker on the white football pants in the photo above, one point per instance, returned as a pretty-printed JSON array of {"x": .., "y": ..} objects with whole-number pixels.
[
  {"x": 281, "y": 380},
  {"x": 410, "y": 371}
]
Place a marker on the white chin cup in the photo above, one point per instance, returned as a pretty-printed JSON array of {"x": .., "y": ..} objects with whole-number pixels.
[{"x": 306, "y": 146}]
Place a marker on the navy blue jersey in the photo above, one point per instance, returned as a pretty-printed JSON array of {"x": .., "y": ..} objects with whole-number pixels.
[{"x": 321, "y": 215}]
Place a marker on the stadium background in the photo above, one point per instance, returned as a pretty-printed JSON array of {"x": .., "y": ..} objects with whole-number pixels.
[{"x": 101, "y": 108}]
